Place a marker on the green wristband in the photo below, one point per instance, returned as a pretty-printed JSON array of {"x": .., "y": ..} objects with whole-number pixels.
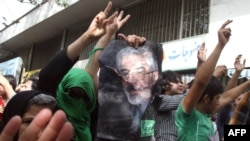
[{"x": 94, "y": 50}]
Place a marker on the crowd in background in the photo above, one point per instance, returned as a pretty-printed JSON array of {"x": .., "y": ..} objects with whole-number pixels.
[{"x": 122, "y": 94}]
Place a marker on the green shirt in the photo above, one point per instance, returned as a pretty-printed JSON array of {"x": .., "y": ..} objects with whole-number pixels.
[{"x": 195, "y": 126}]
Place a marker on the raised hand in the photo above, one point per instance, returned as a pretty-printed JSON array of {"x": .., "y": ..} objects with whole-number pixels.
[
  {"x": 185, "y": 83},
  {"x": 202, "y": 53},
  {"x": 116, "y": 22},
  {"x": 44, "y": 127},
  {"x": 133, "y": 40},
  {"x": 238, "y": 65},
  {"x": 220, "y": 71},
  {"x": 11, "y": 129},
  {"x": 101, "y": 24},
  {"x": 224, "y": 33},
  {"x": 97, "y": 26}
]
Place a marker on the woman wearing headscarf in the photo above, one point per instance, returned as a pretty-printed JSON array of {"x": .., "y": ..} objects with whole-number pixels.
[{"x": 75, "y": 96}]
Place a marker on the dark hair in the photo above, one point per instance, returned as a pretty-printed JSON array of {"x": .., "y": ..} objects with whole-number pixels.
[
  {"x": 20, "y": 102},
  {"x": 213, "y": 88},
  {"x": 12, "y": 80},
  {"x": 43, "y": 99},
  {"x": 34, "y": 80},
  {"x": 169, "y": 76}
]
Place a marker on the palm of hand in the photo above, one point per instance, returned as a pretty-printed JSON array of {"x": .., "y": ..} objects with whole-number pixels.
[
  {"x": 202, "y": 56},
  {"x": 96, "y": 27},
  {"x": 112, "y": 27},
  {"x": 238, "y": 66}
]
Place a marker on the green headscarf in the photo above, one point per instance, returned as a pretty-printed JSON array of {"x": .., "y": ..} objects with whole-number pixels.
[{"x": 77, "y": 110}]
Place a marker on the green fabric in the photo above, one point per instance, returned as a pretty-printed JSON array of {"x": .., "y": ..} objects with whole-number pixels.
[
  {"x": 77, "y": 111},
  {"x": 147, "y": 128},
  {"x": 94, "y": 50},
  {"x": 193, "y": 127}
]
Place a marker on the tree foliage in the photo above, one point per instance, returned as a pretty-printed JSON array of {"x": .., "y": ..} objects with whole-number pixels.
[{"x": 63, "y": 3}]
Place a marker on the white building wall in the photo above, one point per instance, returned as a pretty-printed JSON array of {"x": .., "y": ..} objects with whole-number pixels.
[
  {"x": 182, "y": 54},
  {"x": 239, "y": 12},
  {"x": 224, "y": 9},
  {"x": 38, "y": 15}
]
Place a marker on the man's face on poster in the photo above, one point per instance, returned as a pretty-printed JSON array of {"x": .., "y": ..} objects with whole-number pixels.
[{"x": 138, "y": 77}]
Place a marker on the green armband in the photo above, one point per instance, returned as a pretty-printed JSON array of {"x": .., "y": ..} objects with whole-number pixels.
[{"x": 94, "y": 50}]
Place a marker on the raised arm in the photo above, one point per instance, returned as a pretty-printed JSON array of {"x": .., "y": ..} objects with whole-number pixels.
[
  {"x": 239, "y": 67},
  {"x": 55, "y": 70},
  {"x": 205, "y": 71},
  {"x": 96, "y": 29},
  {"x": 201, "y": 55},
  {"x": 112, "y": 26},
  {"x": 230, "y": 94}
]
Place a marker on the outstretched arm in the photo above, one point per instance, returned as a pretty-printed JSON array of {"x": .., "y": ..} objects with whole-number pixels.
[
  {"x": 96, "y": 29},
  {"x": 201, "y": 55},
  {"x": 239, "y": 67},
  {"x": 205, "y": 71},
  {"x": 231, "y": 91},
  {"x": 55, "y": 70},
  {"x": 230, "y": 95}
]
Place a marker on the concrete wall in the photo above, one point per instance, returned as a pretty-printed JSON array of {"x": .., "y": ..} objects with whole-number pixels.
[{"x": 38, "y": 15}]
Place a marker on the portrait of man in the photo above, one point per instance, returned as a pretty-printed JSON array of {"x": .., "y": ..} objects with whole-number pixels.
[
  {"x": 139, "y": 71},
  {"x": 127, "y": 78}
]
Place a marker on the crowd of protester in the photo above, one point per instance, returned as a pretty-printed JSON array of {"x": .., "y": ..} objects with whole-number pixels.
[{"x": 134, "y": 99}]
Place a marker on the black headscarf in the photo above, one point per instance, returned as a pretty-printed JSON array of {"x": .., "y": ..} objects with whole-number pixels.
[{"x": 16, "y": 106}]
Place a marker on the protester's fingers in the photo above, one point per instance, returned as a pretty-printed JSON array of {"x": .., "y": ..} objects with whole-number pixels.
[
  {"x": 131, "y": 40},
  {"x": 226, "y": 32},
  {"x": 53, "y": 128},
  {"x": 108, "y": 8},
  {"x": 10, "y": 129},
  {"x": 36, "y": 126},
  {"x": 226, "y": 23},
  {"x": 66, "y": 132},
  {"x": 113, "y": 16},
  {"x": 239, "y": 56},
  {"x": 142, "y": 40},
  {"x": 244, "y": 62},
  {"x": 122, "y": 36},
  {"x": 137, "y": 42},
  {"x": 124, "y": 20},
  {"x": 120, "y": 15},
  {"x": 203, "y": 45}
]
